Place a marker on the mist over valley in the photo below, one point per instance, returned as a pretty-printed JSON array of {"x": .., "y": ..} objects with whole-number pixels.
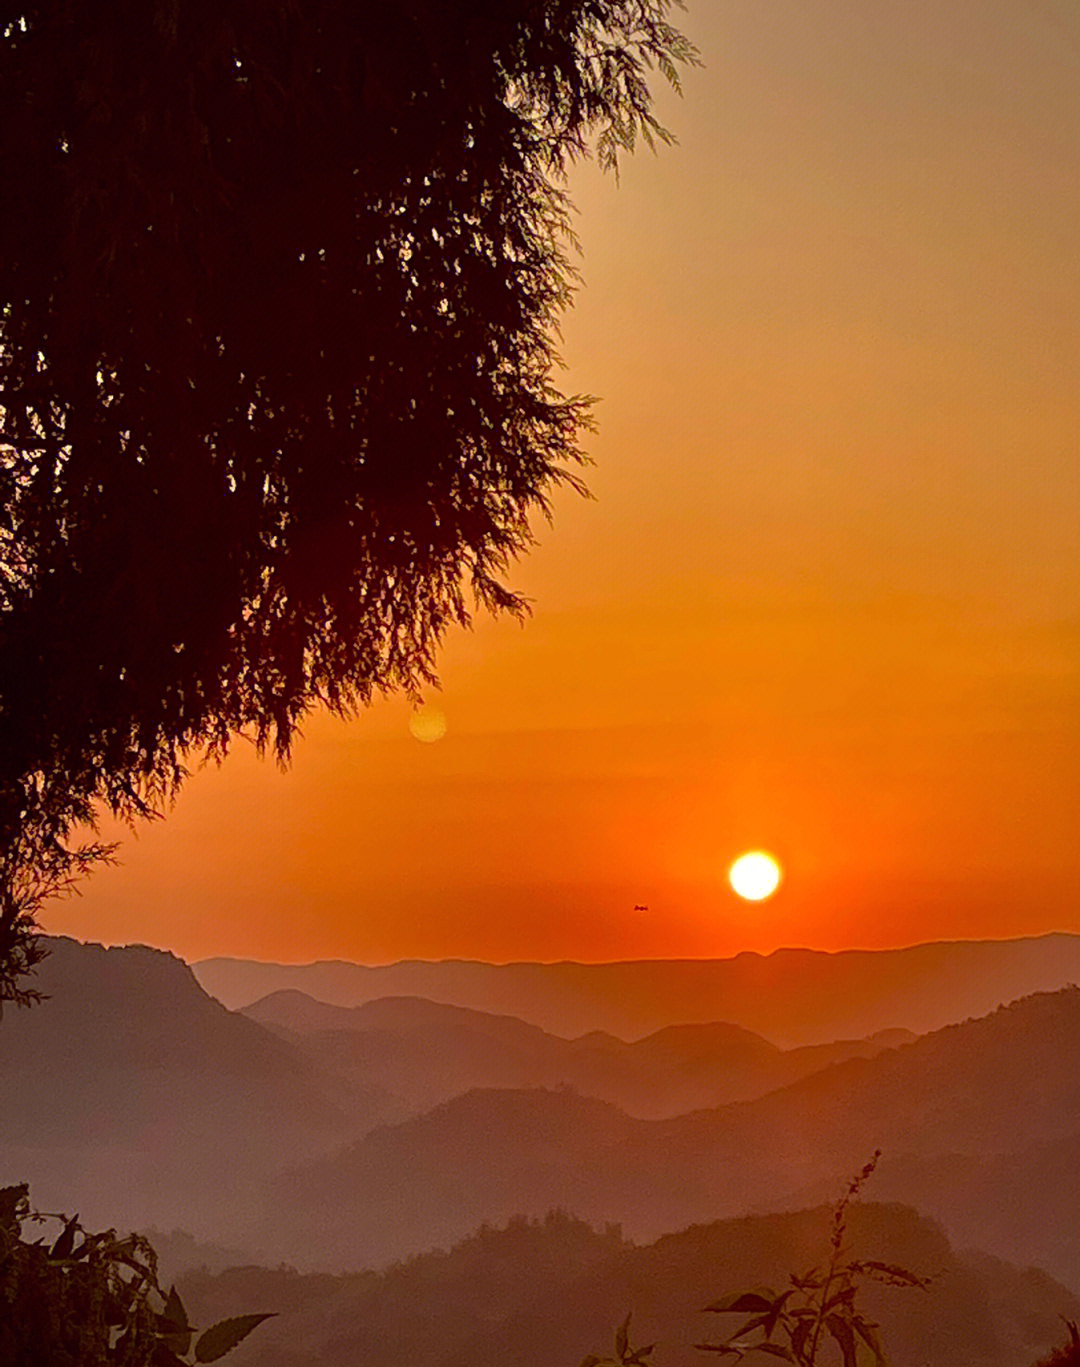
[{"x": 332, "y": 1139}]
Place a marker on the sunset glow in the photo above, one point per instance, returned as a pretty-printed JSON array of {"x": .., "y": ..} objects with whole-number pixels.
[
  {"x": 825, "y": 593},
  {"x": 586, "y": 646}
]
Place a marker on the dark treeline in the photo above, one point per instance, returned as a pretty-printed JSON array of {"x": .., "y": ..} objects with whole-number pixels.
[{"x": 541, "y": 1293}]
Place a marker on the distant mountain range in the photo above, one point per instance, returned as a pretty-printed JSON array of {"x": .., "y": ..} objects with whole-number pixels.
[
  {"x": 328, "y": 1140},
  {"x": 426, "y": 1053},
  {"x": 984, "y": 1100},
  {"x": 793, "y": 997},
  {"x": 543, "y": 1293}
]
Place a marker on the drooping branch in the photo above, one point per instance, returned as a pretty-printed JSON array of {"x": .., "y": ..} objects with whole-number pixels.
[{"x": 280, "y": 285}]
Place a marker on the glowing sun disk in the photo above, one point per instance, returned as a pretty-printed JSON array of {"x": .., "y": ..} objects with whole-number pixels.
[{"x": 754, "y": 875}]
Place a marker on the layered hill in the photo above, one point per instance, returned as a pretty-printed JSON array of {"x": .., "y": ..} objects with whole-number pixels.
[
  {"x": 991, "y": 1096},
  {"x": 792, "y": 997},
  {"x": 547, "y": 1292},
  {"x": 134, "y": 1097},
  {"x": 426, "y": 1053}
]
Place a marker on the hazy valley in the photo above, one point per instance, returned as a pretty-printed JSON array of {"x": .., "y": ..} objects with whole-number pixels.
[{"x": 335, "y": 1138}]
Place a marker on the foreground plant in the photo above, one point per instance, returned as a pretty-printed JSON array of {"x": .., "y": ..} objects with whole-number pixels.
[
  {"x": 625, "y": 1355},
  {"x": 91, "y": 1300},
  {"x": 1069, "y": 1354},
  {"x": 818, "y": 1316},
  {"x": 815, "y": 1320}
]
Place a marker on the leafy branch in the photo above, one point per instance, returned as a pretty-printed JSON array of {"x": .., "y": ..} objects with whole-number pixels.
[
  {"x": 93, "y": 1299},
  {"x": 819, "y": 1307},
  {"x": 625, "y": 1355}
]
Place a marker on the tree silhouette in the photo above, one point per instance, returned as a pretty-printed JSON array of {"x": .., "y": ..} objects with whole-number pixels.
[{"x": 279, "y": 282}]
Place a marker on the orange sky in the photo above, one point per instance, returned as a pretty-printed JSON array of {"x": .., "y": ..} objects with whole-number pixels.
[{"x": 827, "y": 600}]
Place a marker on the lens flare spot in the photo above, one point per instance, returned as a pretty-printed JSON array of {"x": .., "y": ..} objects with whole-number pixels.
[
  {"x": 754, "y": 875},
  {"x": 427, "y": 724}
]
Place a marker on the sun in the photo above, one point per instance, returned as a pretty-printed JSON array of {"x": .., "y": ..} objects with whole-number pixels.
[{"x": 754, "y": 875}]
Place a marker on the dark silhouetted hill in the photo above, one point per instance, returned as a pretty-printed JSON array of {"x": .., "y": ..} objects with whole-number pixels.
[
  {"x": 543, "y": 1293},
  {"x": 426, "y": 1052},
  {"x": 791, "y": 997},
  {"x": 134, "y": 1097}
]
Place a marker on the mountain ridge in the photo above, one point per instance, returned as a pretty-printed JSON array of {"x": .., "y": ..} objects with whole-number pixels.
[
  {"x": 140, "y": 1100},
  {"x": 993, "y": 1091},
  {"x": 791, "y": 997},
  {"x": 426, "y": 1052}
]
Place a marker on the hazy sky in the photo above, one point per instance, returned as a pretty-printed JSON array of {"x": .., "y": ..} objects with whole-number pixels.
[{"x": 827, "y": 598}]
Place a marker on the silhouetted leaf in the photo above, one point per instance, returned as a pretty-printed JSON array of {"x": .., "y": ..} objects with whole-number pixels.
[
  {"x": 65, "y": 1244},
  {"x": 750, "y": 1327},
  {"x": 174, "y": 1316},
  {"x": 776, "y": 1349},
  {"x": 762, "y": 1299},
  {"x": 222, "y": 1338},
  {"x": 770, "y": 1321},
  {"x": 869, "y": 1335},
  {"x": 842, "y": 1332},
  {"x": 173, "y": 1325},
  {"x": 845, "y": 1296},
  {"x": 889, "y": 1273}
]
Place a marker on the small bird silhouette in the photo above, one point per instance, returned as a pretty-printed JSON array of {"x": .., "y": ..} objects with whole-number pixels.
[{"x": 639, "y": 907}]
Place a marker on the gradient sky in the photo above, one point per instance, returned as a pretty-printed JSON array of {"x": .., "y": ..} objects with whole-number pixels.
[{"x": 827, "y": 598}]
